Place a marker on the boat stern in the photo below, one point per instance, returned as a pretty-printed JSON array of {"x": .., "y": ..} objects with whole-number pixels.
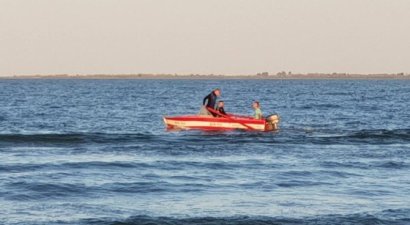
[{"x": 272, "y": 122}]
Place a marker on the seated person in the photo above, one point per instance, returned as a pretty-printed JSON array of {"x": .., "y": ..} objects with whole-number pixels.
[
  {"x": 258, "y": 113},
  {"x": 220, "y": 108}
]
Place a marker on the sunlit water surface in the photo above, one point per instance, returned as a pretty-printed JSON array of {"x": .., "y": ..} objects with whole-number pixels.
[{"x": 96, "y": 151}]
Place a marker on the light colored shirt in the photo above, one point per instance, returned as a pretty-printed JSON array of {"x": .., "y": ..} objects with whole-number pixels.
[{"x": 258, "y": 114}]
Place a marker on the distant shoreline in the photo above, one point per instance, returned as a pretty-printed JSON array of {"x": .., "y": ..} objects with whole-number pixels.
[{"x": 313, "y": 76}]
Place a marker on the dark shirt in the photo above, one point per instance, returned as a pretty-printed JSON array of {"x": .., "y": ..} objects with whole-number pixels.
[
  {"x": 210, "y": 100},
  {"x": 221, "y": 110}
]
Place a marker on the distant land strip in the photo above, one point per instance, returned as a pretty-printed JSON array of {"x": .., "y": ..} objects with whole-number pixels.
[{"x": 260, "y": 76}]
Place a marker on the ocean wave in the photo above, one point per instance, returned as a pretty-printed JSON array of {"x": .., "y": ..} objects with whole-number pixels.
[
  {"x": 396, "y": 134},
  {"x": 31, "y": 190},
  {"x": 296, "y": 135},
  {"x": 387, "y": 217},
  {"x": 293, "y": 136},
  {"x": 23, "y": 191},
  {"x": 72, "y": 138},
  {"x": 376, "y": 136},
  {"x": 154, "y": 187},
  {"x": 168, "y": 165},
  {"x": 369, "y": 165},
  {"x": 320, "y": 106},
  {"x": 22, "y": 167}
]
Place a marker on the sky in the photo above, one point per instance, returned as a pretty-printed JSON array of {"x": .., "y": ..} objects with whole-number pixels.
[{"x": 203, "y": 36}]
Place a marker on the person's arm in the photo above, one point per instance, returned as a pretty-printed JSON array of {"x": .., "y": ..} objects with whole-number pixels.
[
  {"x": 206, "y": 99},
  {"x": 222, "y": 111}
]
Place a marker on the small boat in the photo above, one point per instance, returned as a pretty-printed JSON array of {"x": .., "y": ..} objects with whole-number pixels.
[{"x": 223, "y": 122}]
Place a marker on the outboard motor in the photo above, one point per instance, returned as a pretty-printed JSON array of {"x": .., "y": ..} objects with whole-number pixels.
[{"x": 272, "y": 122}]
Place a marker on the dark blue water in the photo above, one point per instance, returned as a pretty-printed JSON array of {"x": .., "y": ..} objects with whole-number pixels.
[{"x": 96, "y": 152}]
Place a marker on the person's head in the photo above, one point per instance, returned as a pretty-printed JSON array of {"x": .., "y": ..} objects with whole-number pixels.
[
  {"x": 255, "y": 104},
  {"x": 221, "y": 104},
  {"x": 217, "y": 92}
]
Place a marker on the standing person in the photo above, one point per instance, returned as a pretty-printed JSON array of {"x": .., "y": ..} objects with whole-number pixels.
[
  {"x": 258, "y": 112},
  {"x": 220, "y": 108},
  {"x": 210, "y": 102}
]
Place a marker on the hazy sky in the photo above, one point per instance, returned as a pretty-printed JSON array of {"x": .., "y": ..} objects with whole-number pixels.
[{"x": 203, "y": 36}]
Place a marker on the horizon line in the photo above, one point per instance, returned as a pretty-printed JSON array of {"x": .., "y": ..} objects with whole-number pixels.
[{"x": 282, "y": 73}]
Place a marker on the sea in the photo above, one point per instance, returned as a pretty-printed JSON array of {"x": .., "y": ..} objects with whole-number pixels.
[{"x": 76, "y": 151}]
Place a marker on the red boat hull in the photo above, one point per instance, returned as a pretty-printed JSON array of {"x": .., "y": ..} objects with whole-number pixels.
[{"x": 217, "y": 123}]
